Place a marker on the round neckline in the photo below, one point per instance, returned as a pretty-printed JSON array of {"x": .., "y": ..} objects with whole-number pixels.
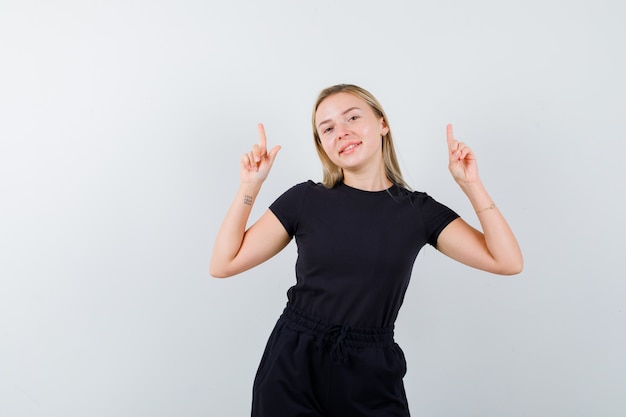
[{"x": 386, "y": 190}]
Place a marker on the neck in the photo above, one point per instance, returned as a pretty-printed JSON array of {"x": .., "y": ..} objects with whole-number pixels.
[{"x": 367, "y": 182}]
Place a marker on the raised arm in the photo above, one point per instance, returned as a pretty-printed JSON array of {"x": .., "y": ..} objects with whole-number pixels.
[
  {"x": 237, "y": 249},
  {"x": 495, "y": 249}
]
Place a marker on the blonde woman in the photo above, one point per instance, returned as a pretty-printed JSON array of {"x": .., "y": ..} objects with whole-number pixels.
[{"x": 332, "y": 352}]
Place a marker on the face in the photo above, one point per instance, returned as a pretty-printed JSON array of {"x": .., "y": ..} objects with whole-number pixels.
[{"x": 350, "y": 131}]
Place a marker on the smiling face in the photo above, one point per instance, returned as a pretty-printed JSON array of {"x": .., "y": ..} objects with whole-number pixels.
[{"x": 350, "y": 132}]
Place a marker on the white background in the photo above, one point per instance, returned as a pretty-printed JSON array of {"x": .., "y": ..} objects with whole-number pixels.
[{"x": 121, "y": 127}]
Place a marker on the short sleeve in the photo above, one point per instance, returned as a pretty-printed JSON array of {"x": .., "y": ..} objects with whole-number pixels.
[
  {"x": 436, "y": 217},
  {"x": 287, "y": 207}
]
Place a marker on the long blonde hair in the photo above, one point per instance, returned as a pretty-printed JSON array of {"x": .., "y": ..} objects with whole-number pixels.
[{"x": 332, "y": 173}]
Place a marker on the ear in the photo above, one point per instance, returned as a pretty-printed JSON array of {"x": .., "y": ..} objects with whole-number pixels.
[{"x": 384, "y": 129}]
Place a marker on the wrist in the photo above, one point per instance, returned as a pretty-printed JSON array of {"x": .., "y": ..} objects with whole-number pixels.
[
  {"x": 472, "y": 187},
  {"x": 490, "y": 207},
  {"x": 248, "y": 192},
  {"x": 478, "y": 196},
  {"x": 250, "y": 187}
]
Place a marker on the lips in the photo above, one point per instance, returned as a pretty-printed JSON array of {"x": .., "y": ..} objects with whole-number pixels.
[{"x": 350, "y": 147}]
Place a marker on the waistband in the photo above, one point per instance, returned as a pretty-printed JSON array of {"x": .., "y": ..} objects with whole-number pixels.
[{"x": 341, "y": 338}]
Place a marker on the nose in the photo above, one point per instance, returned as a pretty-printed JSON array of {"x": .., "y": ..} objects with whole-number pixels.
[{"x": 341, "y": 131}]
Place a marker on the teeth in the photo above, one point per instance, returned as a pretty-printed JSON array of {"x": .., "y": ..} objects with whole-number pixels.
[{"x": 349, "y": 147}]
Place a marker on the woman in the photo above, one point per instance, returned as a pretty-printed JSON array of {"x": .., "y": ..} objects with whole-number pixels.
[{"x": 332, "y": 352}]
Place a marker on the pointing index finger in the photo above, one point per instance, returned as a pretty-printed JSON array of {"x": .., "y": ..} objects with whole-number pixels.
[
  {"x": 450, "y": 137},
  {"x": 262, "y": 138}
]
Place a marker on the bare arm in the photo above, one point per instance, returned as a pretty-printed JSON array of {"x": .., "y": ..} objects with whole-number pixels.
[
  {"x": 495, "y": 249},
  {"x": 236, "y": 248}
]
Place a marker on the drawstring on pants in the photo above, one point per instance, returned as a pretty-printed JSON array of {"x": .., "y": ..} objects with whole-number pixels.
[
  {"x": 341, "y": 338},
  {"x": 335, "y": 335}
]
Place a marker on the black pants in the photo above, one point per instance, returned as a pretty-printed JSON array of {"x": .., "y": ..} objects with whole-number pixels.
[{"x": 312, "y": 368}]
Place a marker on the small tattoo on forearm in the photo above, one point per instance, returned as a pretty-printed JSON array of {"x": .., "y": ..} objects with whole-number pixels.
[{"x": 247, "y": 199}]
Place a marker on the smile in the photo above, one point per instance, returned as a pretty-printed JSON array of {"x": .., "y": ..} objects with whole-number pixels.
[{"x": 349, "y": 147}]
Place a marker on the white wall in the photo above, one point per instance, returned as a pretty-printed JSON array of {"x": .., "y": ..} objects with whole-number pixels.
[{"x": 121, "y": 127}]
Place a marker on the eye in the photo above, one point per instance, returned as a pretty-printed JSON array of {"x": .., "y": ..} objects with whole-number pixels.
[
  {"x": 327, "y": 130},
  {"x": 353, "y": 117}
]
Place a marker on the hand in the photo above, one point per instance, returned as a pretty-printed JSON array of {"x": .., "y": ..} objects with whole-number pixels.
[
  {"x": 462, "y": 163},
  {"x": 256, "y": 164}
]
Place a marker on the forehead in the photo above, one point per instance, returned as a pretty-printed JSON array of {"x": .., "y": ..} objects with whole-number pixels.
[{"x": 336, "y": 104}]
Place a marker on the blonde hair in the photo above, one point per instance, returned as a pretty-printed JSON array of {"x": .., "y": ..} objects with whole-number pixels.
[{"x": 332, "y": 173}]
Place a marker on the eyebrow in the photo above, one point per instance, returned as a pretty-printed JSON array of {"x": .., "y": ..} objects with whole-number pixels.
[{"x": 343, "y": 113}]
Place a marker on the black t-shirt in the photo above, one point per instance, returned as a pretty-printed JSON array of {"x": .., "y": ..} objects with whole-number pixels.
[{"x": 356, "y": 249}]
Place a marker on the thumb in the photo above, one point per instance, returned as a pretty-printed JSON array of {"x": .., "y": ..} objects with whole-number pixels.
[{"x": 273, "y": 152}]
